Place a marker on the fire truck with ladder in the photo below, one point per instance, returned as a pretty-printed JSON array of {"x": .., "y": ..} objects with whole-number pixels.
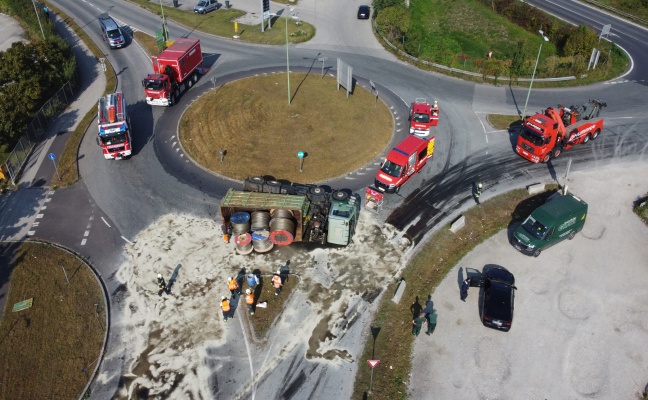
[
  {"x": 114, "y": 126},
  {"x": 545, "y": 136},
  {"x": 423, "y": 116}
]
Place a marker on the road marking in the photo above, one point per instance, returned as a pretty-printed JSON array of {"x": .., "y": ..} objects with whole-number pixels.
[
  {"x": 39, "y": 216},
  {"x": 83, "y": 242},
  {"x": 177, "y": 149},
  {"x": 47, "y": 200},
  {"x": 35, "y": 224},
  {"x": 173, "y": 144},
  {"x": 31, "y": 233},
  {"x": 86, "y": 233},
  {"x": 102, "y": 218},
  {"x": 44, "y": 208},
  {"x": 128, "y": 241}
]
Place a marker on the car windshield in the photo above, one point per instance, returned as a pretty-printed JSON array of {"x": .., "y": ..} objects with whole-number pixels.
[
  {"x": 391, "y": 169},
  {"x": 499, "y": 302},
  {"x": 421, "y": 117},
  {"x": 202, "y": 4},
  {"x": 151, "y": 84},
  {"x": 502, "y": 275},
  {"x": 113, "y": 139},
  {"x": 531, "y": 137},
  {"x": 114, "y": 34},
  {"x": 534, "y": 227}
]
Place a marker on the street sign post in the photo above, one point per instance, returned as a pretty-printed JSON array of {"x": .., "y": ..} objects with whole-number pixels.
[
  {"x": 373, "y": 364},
  {"x": 52, "y": 157}
]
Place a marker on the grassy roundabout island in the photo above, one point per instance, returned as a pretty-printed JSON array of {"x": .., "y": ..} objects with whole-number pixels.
[{"x": 261, "y": 134}]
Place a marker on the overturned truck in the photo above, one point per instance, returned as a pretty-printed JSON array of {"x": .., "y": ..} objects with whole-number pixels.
[{"x": 268, "y": 213}]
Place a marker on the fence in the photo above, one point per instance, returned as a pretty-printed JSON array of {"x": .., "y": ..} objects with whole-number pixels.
[{"x": 35, "y": 130}]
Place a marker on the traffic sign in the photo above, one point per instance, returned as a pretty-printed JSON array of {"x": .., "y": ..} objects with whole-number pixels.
[
  {"x": 373, "y": 363},
  {"x": 51, "y": 156},
  {"x": 300, "y": 154}
]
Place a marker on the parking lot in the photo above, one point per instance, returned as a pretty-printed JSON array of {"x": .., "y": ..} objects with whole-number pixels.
[{"x": 581, "y": 310}]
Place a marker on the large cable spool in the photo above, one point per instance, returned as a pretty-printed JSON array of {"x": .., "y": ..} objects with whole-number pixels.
[
  {"x": 240, "y": 222},
  {"x": 281, "y": 213},
  {"x": 260, "y": 220},
  {"x": 261, "y": 241},
  {"x": 282, "y": 231},
  {"x": 243, "y": 244}
]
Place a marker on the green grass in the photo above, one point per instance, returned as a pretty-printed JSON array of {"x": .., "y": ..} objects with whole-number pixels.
[
  {"x": 50, "y": 350},
  {"x": 147, "y": 42},
  {"x": 221, "y": 23},
  {"x": 501, "y": 122},
  {"x": 423, "y": 274},
  {"x": 250, "y": 119},
  {"x": 641, "y": 209}
]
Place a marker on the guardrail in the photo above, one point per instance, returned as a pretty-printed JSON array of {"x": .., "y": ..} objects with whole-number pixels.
[{"x": 617, "y": 11}]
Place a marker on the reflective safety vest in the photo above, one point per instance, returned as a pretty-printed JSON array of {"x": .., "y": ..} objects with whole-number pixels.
[
  {"x": 249, "y": 298},
  {"x": 276, "y": 279},
  {"x": 225, "y": 305},
  {"x": 232, "y": 285}
]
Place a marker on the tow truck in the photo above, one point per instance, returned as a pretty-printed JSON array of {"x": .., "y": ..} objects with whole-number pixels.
[
  {"x": 545, "y": 136},
  {"x": 423, "y": 116}
]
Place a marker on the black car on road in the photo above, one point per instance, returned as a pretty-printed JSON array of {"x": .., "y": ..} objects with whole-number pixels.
[
  {"x": 498, "y": 286},
  {"x": 364, "y": 12}
]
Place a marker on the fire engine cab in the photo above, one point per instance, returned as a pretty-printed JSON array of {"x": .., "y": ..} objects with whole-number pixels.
[
  {"x": 402, "y": 162},
  {"x": 114, "y": 126},
  {"x": 423, "y": 116}
]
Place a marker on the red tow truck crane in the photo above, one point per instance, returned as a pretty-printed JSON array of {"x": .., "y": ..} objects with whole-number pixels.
[
  {"x": 545, "y": 136},
  {"x": 423, "y": 116}
]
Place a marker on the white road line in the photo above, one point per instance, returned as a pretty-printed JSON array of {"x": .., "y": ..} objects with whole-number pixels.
[
  {"x": 86, "y": 233},
  {"x": 173, "y": 144},
  {"x": 44, "y": 208},
  {"x": 83, "y": 242},
  {"x": 31, "y": 233},
  {"x": 47, "y": 200},
  {"x": 102, "y": 218},
  {"x": 39, "y": 216},
  {"x": 35, "y": 224},
  {"x": 128, "y": 241}
]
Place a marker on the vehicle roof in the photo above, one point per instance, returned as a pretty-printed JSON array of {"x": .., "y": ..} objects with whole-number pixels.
[
  {"x": 408, "y": 146},
  {"x": 178, "y": 48},
  {"x": 155, "y": 76},
  {"x": 559, "y": 206},
  {"x": 422, "y": 108},
  {"x": 363, "y": 7},
  {"x": 499, "y": 303},
  {"x": 500, "y": 274},
  {"x": 107, "y": 21}
]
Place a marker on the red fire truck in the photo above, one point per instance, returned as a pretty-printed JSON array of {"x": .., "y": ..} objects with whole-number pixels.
[
  {"x": 175, "y": 70},
  {"x": 423, "y": 116},
  {"x": 114, "y": 126},
  {"x": 546, "y": 136},
  {"x": 402, "y": 162}
]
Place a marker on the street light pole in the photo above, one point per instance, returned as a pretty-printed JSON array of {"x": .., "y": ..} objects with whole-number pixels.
[
  {"x": 39, "y": 23},
  {"x": 544, "y": 39},
  {"x": 165, "y": 33},
  {"x": 287, "y": 58}
]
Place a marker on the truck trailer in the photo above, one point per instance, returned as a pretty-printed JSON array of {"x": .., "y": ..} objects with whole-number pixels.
[
  {"x": 114, "y": 127},
  {"x": 293, "y": 212},
  {"x": 176, "y": 69}
]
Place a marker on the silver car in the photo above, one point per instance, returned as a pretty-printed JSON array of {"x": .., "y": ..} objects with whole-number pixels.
[{"x": 205, "y": 6}]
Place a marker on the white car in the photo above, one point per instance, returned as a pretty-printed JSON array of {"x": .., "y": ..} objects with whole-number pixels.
[{"x": 205, "y": 6}]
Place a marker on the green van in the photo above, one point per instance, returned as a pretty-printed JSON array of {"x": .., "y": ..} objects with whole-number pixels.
[{"x": 560, "y": 218}]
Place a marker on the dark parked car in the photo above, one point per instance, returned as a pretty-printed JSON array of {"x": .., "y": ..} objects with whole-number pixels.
[
  {"x": 499, "y": 295},
  {"x": 364, "y": 12}
]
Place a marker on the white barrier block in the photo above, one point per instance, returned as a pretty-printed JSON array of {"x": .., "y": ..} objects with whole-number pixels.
[
  {"x": 536, "y": 188},
  {"x": 458, "y": 224},
  {"x": 399, "y": 292}
]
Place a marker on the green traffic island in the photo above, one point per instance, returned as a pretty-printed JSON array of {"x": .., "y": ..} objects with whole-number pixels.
[{"x": 53, "y": 326}]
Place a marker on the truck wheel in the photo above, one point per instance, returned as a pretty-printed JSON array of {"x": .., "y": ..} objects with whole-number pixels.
[
  {"x": 340, "y": 195},
  {"x": 172, "y": 100},
  {"x": 273, "y": 187},
  {"x": 596, "y": 133},
  {"x": 536, "y": 253},
  {"x": 546, "y": 158},
  {"x": 587, "y": 139},
  {"x": 556, "y": 152},
  {"x": 190, "y": 82},
  {"x": 398, "y": 188},
  {"x": 572, "y": 235},
  {"x": 194, "y": 78},
  {"x": 254, "y": 184}
]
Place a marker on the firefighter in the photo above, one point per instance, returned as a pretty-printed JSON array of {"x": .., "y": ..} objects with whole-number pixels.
[
  {"x": 226, "y": 233},
  {"x": 161, "y": 285},
  {"x": 233, "y": 287},
  {"x": 249, "y": 300},
  {"x": 227, "y": 309},
  {"x": 276, "y": 281}
]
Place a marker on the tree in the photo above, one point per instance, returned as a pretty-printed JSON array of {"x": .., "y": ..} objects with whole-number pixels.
[
  {"x": 393, "y": 22},
  {"x": 517, "y": 60},
  {"x": 580, "y": 41},
  {"x": 380, "y": 5}
]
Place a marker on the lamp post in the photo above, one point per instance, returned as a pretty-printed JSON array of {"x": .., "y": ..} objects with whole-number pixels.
[
  {"x": 544, "y": 39},
  {"x": 287, "y": 59},
  {"x": 165, "y": 33},
  {"x": 39, "y": 22}
]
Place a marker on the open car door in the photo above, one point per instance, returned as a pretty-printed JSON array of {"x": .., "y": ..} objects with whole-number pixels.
[{"x": 476, "y": 278}]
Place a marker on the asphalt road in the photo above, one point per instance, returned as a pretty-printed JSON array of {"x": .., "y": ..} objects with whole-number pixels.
[{"x": 133, "y": 194}]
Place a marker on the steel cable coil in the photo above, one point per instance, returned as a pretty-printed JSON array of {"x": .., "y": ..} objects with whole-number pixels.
[
  {"x": 282, "y": 231},
  {"x": 243, "y": 243},
  {"x": 281, "y": 213},
  {"x": 260, "y": 220},
  {"x": 261, "y": 242},
  {"x": 240, "y": 223}
]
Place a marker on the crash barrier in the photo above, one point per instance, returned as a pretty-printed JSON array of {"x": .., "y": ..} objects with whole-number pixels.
[
  {"x": 616, "y": 11},
  {"x": 536, "y": 188},
  {"x": 243, "y": 244},
  {"x": 373, "y": 199},
  {"x": 457, "y": 224},
  {"x": 37, "y": 127},
  {"x": 399, "y": 291}
]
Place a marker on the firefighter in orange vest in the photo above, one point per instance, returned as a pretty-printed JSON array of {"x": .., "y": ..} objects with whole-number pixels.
[
  {"x": 227, "y": 309},
  {"x": 276, "y": 281},
  {"x": 249, "y": 300},
  {"x": 233, "y": 286}
]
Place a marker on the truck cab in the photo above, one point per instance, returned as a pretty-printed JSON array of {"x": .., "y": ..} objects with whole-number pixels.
[
  {"x": 158, "y": 89},
  {"x": 402, "y": 162},
  {"x": 343, "y": 217},
  {"x": 423, "y": 116},
  {"x": 560, "y": 218}
]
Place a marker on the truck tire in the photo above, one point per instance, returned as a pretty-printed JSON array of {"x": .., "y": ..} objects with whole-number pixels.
[
  {"x": 317, "y": 194},
  {"x": 254, "y": 184},
  {"x": 556, "y": 152},
  {"x": 572, "y": 235},
  {"x": 596, "y": 133},
  {"x": 587, "y": 138},
  {"x": 272, "y": 187},
  {"x": 546, "y": 158},
  {"x": 340, "y": 195},
  {"x": 537, "y": 253},
  {"x": 172, "y": 100},
  {"x": 194, "y": 78}
]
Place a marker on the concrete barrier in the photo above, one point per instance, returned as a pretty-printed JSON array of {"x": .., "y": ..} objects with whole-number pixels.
[
  {"x": 458, "y": 224},
  {"x": 399, "y": 292},
  {"x": 536, "y": 188}
]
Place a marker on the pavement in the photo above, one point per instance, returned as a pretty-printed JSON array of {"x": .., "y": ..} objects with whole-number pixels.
[
  {"x": 10, "y": 32},
  {"x": 581, "y": 309}
]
